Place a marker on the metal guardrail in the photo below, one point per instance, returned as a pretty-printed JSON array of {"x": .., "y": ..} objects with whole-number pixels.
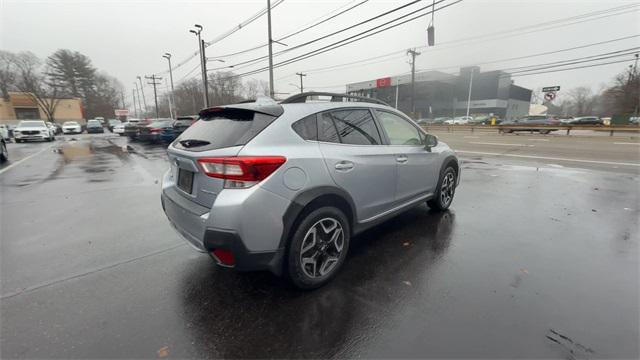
[{"x": 500, "y": 128}]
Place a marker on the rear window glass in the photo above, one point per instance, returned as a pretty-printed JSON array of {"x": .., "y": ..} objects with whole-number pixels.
[
  {"x": 183, "y": 122},
  {"x": 231, "y": 127}
]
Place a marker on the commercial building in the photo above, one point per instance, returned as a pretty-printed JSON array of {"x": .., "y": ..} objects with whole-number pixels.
[
  {"x": 439, "y": 94},
  {"x": 21, "y": 106}
]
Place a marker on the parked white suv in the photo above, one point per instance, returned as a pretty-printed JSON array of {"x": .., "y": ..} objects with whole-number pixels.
[{"x": 32, "y": 130}]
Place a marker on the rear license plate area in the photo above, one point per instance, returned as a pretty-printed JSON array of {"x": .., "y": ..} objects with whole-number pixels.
[{"x": 185, "y": 180}]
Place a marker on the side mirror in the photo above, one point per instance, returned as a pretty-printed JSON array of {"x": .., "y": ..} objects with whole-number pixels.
[{"x": 430, "y": 141}]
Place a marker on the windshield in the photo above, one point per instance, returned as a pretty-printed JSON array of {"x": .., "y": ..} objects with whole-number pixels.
[
  {"x": 32, "y": 124},
  {"x": 93, "y": 123},
  {"x": 70, "y": 123}
]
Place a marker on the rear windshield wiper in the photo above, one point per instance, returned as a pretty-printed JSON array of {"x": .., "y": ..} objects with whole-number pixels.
[{"x": 189, "y": 143}]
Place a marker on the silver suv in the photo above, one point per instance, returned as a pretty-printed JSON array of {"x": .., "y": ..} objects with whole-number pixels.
[{"x": 283, "y": 187}]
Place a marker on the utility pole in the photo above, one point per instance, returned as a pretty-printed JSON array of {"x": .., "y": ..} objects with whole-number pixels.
[
  {"x": 153, "y": 82},
  {"x": 301, "y": 85},
  {"x": 413, "y": 54},
  {"x": 144, "y": 101},
  {"x": 203, "y": 64},
  {"x": 271, "y": 86},
  {"x": 135, "y": 109},
  {"x": 172, "y": 99}
]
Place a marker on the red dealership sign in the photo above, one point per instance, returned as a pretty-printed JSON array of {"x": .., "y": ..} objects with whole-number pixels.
[{"x": 384, "y": 82}]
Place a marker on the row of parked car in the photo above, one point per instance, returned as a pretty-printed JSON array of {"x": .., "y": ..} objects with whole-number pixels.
[
  {"x": 154, "y": 130},
  {"x": 540, "y": 119}
]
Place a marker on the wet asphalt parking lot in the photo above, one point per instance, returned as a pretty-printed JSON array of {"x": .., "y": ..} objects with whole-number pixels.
[{"x": 537, "y": 258}]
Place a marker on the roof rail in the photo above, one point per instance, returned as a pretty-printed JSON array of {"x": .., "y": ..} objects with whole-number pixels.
[{"x": 335, "y": 97}]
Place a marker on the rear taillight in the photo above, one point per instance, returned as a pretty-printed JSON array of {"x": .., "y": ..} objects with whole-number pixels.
[
  {"x": 156, "y": 131},
  {"x": 241, "y": 172},
  {"x": 224, "y": 257}
]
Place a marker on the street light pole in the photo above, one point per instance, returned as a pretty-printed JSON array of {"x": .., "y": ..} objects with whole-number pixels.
[
  {"x": 135, "y": 108},
  {"x": 469, "y": 96},
  {"x": 172, "y": 98},
  {"x": 271, "y": 86},
  {"x": 139, "y": 104},
  {"x": 144, "y": 101},
  {"x": 203, "y": 69}
]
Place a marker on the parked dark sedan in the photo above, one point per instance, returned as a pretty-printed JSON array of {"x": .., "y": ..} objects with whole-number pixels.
[
  {"x": 132, "y": 128},
  {"x": 181, "y": 124},
  {"x": 94, "y": 126},
  {"x": 587, "y": 120},
  {"x": 152, "y": 132},
  {"x": 530, "y": 120}
]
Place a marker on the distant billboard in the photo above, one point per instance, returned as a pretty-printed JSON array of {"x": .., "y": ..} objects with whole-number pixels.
[
  {"x": 384, "y": 82},
  {"x": 122, "y": 112}
]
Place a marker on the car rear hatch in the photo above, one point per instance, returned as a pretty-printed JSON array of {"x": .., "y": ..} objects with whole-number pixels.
[{"x": 221, "y": 132}]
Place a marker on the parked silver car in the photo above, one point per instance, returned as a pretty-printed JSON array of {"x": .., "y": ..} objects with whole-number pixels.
[{"x": 284, "y": 187}]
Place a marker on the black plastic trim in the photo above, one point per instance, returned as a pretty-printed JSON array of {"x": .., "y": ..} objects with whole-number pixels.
[
  {"x": 245, "y": 260},
  {"x": 305, "y": 198}
]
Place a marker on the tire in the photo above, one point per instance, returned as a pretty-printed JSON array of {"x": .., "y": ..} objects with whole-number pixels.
[
  {"x": 330, "y": 223},
  {"x": 446, "y": 189},
  {"x": 545, "y": 132},
  {"x": 507, "y": 131},
  {"x": 4, "y": 154}
]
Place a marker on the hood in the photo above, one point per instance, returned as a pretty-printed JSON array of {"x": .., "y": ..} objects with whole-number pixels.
[{"x": 32, "y": 128}]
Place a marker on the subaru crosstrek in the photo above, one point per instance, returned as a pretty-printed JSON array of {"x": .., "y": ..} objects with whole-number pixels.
[{"x": 284, "y": 186}]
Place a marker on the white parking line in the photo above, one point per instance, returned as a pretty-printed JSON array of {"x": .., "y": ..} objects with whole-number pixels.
[
  {"x": 501, "y": 144},
  {"x": 471, "y": 137},
  {"x": 550, "y": 158},
  {"x": 538, "y": 139},
  {"x": 626, "y": 143},
  {"x": 24, "y": 159}
]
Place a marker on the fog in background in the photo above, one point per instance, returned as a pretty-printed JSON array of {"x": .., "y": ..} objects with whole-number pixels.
[{"x": 128, "y": 38}]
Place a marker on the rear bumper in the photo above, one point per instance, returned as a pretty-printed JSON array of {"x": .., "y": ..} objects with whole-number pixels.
[
  {"x": 190, "y": 224},
  {"x": 95, "y": 131},
  {"x": 149, "y": 137}
]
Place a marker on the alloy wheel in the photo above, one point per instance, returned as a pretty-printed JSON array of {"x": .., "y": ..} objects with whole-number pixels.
[
  {"x": 447, "y": 188},
  {"x": 321, "y": 248}
]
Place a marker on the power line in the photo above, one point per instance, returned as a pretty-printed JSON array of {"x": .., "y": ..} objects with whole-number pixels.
[
  {"x": 576, "y": 67},
  {"x": 287, "y": 36},
  {"x": 341, "y": 31},
  {"x": 577, "y": 61},
  {"x": 502, "y": 34},
  {"x": 221, "y": 37}
]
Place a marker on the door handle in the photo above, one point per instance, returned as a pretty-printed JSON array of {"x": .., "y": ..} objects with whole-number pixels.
[
  {"x": 402, "y": 159},
  {"x": 344, "y": 165}
]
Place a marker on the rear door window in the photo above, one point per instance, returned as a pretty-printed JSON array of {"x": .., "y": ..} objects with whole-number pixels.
[
  {"x": 327, "y": 131},
  {"x": 227, "y": 128},
  {"x": 354, "y": 126}
]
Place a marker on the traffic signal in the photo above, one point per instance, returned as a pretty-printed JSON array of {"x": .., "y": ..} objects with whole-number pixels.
[{"x": 431, "y": 35}]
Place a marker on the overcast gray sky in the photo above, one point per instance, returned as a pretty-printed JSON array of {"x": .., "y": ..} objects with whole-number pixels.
[{"x": 128, "y": 38}]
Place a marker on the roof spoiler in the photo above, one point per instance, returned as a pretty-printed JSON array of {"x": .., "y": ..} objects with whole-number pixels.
[
  {"x": 273, "y": 109},
  {"x": 335, "y": 97}
]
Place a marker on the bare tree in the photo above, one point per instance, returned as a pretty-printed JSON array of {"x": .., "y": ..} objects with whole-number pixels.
[
  {"x": 7, "y": 73},
  {"x": 31, "y": 81},
  {"x": 582, "y": 101},
  {"x": 624, "y": 96},
  {"x": 254, "y": 87}
]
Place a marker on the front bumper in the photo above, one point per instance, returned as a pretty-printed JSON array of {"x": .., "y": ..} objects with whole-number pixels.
[{"x": 21, "y": 136}]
